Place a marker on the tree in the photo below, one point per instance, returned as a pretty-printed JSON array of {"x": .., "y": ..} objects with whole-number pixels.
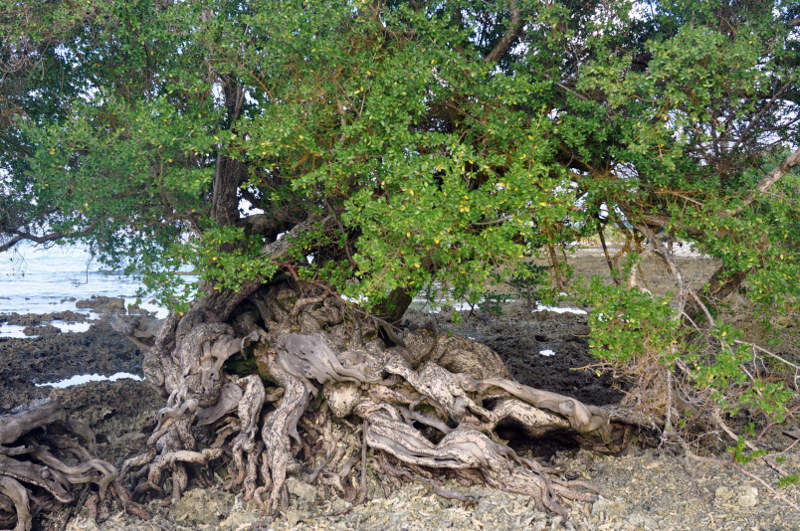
[{"x": 381, "y": 148}]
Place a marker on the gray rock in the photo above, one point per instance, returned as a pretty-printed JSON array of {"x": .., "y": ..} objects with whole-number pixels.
[
  {"x": 748, "y": 496},
  {"x": 203, "y": 506},
  {"x": 723, "y": 494},
  {"x": 609, "y": 508},
  {"x": 641, "y": 520},
  {"x": 103, "y": 304},
  {"x": 42, "y": 330}
]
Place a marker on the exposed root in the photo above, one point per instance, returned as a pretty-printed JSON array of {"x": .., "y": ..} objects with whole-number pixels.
[
  {"x": 431, "y": 402},
  {"x": 31, "y": 465},
  {"x": 279, "y": 426},
  {"x": 437, "y": 487},
  {"x": 18, "y": 495}
]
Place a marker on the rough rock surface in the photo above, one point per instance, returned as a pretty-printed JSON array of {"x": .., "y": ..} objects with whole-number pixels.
[
  {"x": 53, "y": 357},
  {"x": 642, "y": 490}
]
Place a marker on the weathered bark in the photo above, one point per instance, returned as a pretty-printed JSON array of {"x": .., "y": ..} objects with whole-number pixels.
[
  {"x": 228, "y": 176},
  {"x": 29, "y": 461},
  {"x": 304, "y": 346}
]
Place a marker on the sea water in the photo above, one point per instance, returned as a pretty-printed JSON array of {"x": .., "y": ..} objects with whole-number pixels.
[
  {"x": 36, "y": 280},
  {"x": 40, "y": 281}
]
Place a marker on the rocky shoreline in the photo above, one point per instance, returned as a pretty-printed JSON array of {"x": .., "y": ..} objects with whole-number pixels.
[
  {"x": 643, "y": 488},
  {"x": 53, "y": 355}
]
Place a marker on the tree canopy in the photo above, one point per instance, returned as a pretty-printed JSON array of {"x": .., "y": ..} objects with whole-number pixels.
[
  {"x": 412, "y": 142},
  {"x": 442, "y": 141},
  {"x": 384, "y": 147}
]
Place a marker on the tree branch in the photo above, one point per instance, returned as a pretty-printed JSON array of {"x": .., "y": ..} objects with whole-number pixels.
[
  {"x": 19, "y": 236},
  {"x": 774, "y": 176},
  {"x": 514, "y": 29},
  {"x": 53, "y": 236}
]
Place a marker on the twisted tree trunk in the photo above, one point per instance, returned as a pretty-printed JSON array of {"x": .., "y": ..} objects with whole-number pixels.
[{"x": 266, "y": 375}]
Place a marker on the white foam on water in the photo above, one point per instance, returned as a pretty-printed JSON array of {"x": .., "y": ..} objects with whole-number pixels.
[
  {"x": 686, "y": 249},
  {"x": 41, "y": 281},
  {"x": 160, "y": 311},
  {"x": 52, "y": 280},
  {"x": 544, "y": 308},
  {"x": 436, "y": 306},
  {"x": 354, "y": 300},
  {"x": 15, "y": 331},
  {"x": 65, "y": 326},
  {"x": 547, "y": 352},
  {"x": 85, "y": 378},
  {"x": 460, "y": 306}
]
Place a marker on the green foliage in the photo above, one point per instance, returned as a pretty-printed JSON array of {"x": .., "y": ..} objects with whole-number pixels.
[
  {"x": 444, "y": 158},
  {"x": 529, "y": 281},
  {"x": 639, "y": 336},
  {"x": 629, "y": 324},
  {"x": 493, "y": 302},
  {"x": 740, "y": 453},
  {"x": 241, "y": 366}
]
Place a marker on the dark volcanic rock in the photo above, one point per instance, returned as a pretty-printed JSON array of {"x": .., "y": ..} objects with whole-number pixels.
[
  {"x": 33, "y": 319},
  {"x": 103, "y": 304},
  {"x": 43, "y": 330},
  {"x": 53, "y": 357},
  {"x": 519, "y": 336}
]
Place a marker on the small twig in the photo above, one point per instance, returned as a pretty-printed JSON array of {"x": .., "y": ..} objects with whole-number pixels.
[
  {"x": 348, "y": 466},
  {"x": 724, "y": 427},
  {"x": 703, "y": 307},
  {"x": 468, "y": 499},
  {"x": 667, "y": 432},
  {"x": 768, "y": 353}
]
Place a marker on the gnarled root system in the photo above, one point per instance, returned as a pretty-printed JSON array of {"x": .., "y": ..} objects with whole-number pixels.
[
  {"x": 42, "y": 462},
  {"x": 290, "y": 381}
]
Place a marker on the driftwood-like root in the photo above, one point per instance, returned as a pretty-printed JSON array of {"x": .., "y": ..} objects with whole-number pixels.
[
  {"x": 29, "y": 464},
  {"x": 279, "y": 426},
  {"x": 18, "y": 495},
  {"x": 430, "y": 402}
]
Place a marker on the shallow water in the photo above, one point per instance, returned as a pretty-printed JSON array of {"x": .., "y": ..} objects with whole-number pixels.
[
  {"x": 18, "y": 331},
  {"x": 85, "y": 378},
  {"x": 52, "y": 280}
]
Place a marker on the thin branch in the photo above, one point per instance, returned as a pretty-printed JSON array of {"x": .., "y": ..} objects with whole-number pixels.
[
  {"x": 53, "y": 236},
  {"x": 23, "y": 149},
  {"x": 767, "y": 486},
  {"x": 759, "y": 115},
  {"x": 605, "y": 252}
]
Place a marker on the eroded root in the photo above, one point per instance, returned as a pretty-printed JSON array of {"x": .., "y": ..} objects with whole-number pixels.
[
  {"x": 40, "y": 461},
  {"x": 430, "y": 402}
]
